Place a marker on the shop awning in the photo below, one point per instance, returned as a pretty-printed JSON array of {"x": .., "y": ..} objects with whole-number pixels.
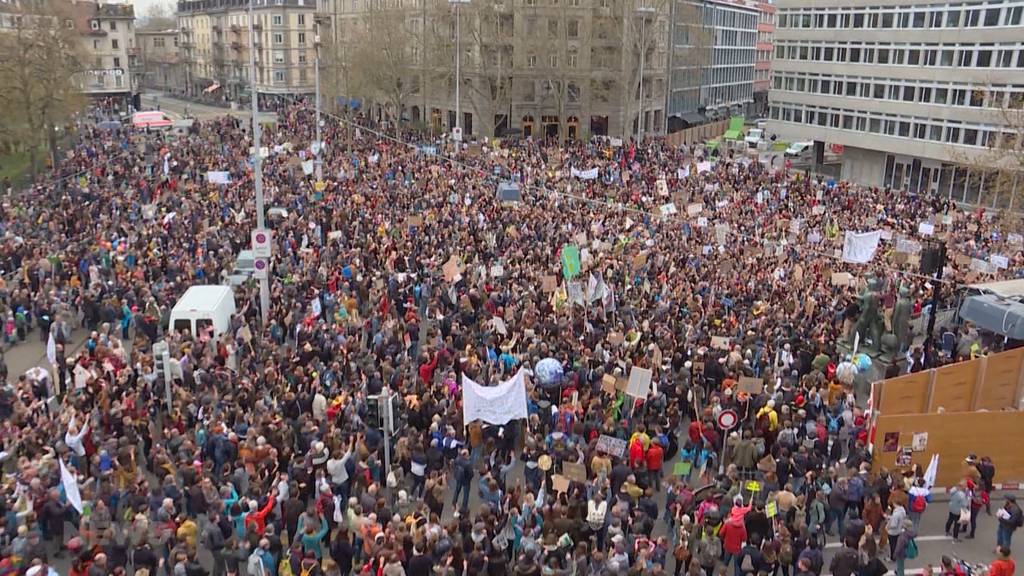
[
  {"x": 992, "y": 313},
  {"x": 211, "y": 88}
]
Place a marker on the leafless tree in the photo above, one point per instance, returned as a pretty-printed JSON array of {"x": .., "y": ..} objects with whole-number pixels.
[{"x": 41, "y": 66}]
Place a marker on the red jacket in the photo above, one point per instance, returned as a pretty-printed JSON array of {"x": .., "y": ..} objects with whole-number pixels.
[
  {"x": 636, "y": 453},
  {"x": 733, "y": 535},
  {"x": 258, "y": 519},
  {"x": 655, "y": 457}
]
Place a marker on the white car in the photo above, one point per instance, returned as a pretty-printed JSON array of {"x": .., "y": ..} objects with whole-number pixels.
[
  {"x": 800, "y": 150},
  {"x": 754, "y": 137}
]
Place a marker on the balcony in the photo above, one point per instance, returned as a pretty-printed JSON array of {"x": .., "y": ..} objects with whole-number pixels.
[
  {"x": 236, "y": 45},
  {"x": 187, "y": 44},
  {"x": 257, "y": 26},
  {"x": 216, "y": 28},
  {"x": 236, "y": 28},
  {"x": 133, "y": 52}
]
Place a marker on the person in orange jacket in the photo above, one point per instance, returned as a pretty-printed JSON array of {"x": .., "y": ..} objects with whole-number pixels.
[{"x": 1003, "y": 565}]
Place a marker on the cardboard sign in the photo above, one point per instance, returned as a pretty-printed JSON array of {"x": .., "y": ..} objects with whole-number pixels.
[
  {"x": 842, "y": 279},
  {"x": 962, "y": 260},
  {"x": 753, "y": 486},
  {"x": 751, "y": 385},
  {"x": 575, "y": 472},
  {"x": 560, "y": 483},
  {"x": 771, "y": 509},
  {"x": 615, "y": 338},
  {"x": 549, "y": 283},
  {"x": 415, "y": 220},
  {"x": 611, "y": 445},
  {"x": 720, "y": 343},
  {"x": 452, "y": 268},
  {"x": 639, "y": 383},
  {"x": 608, "y": 384},
  {"x": 695, "y": 208}
]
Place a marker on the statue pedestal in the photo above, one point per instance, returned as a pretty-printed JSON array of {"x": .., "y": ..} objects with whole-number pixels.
[{"x": 880, "y": 363}]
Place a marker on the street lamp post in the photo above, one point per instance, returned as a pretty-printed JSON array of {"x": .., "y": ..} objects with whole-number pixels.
[
  {"x": 458, "y": 61},
  {"x": 257, "y": 159},
  {"x": 316, "y": 73},
  {"x": 643, "y": 12}
]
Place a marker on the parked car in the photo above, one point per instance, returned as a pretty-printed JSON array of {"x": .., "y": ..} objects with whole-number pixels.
[
  {"x": 754, "y": 137},
  {"x": 800, "y": 150}
]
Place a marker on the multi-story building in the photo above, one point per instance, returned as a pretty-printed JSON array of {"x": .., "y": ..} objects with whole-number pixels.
[
  {"x": 215, "y": 46},
  {"x": 569, "y": 68},
  {"x": 107, "y": 32},
  {"x": 914, "y": 92},
  {"x": 160, "y": 66},
  {"x": 713, "y": 60},
  {"x": 763, "y": 57}
]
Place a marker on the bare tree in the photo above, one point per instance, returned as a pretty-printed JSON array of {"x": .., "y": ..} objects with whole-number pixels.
[
  {"x": 40, "y": 66},
  {"x": 382, "y": 60},
  {"x": 159, "y": 16},
  {"x": 490, "y": 70},
  {"x": 1000, "y": 165}
]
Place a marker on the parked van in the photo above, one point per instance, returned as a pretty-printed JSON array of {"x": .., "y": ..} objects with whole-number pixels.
[
  {"x": 202, "y": 306},
  {"x": 152, "y": 119}
]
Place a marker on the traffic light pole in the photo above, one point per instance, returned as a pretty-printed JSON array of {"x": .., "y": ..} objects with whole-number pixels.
[{"x": 929, "y": 341}]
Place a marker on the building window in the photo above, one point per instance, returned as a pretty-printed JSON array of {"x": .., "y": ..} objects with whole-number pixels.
[
  {"x": 302, "y": 19},
  {"x": 302, "y": 57},
  {"x": 302, "y": 38},
  {"x": 992, "y": 16},
  {"x": 93, "y": 24},
  {"x": 113, "y": 43},
  {"x": 553, "y": 60},
  {"x": 277, "y": 20},
  {"x": 117, "y": 62},
  {"x": 278, "y": 57},
  {"x": 113, "y": 26},
  {"x": 278, "y": 38},
  {"x": 573, "y": 60},
  {"x": 573, "y": 29},
  {"x": 158, "y": 42},
  {"x": 279, "y": 76},
  {"x": 531, "y": 61}
]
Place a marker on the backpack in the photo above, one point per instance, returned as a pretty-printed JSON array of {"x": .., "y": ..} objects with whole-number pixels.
[
  {"x": 285, "y": 567},
  {"x": 918, "y": 504},
  {"x": 833, "y": 424},
  {"x": 747, "y": 566},
  {"x": 911, "y": 550}
]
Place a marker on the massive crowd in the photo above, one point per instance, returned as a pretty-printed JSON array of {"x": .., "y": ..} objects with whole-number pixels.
[{"x": 272, "y": 462}]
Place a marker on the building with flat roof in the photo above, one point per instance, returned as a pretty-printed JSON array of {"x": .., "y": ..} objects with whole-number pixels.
[
  {"x": 713, "y": 60},
  {"x": 914, "y": 93},
  {"x": 215, "y": 47},
  {"x": 160, "y": 66},
  {"x": 540, "y": 68}
]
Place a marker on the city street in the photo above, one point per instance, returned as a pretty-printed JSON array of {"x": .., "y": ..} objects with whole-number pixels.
[{"x": 178, "y": 109}]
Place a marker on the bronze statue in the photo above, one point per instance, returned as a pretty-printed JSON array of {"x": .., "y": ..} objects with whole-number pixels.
[
  {"x": 869, "y": 324},
  {"x": 901, "y": 319}
]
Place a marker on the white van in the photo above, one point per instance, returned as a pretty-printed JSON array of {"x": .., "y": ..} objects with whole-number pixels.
[{"x": 202, "y": 306}]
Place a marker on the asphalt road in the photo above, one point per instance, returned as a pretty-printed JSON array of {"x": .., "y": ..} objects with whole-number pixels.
[{"x": 177, "y": 108}]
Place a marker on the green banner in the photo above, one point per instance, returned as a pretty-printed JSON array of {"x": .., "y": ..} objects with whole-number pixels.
[{"x": 570, "y": 261}]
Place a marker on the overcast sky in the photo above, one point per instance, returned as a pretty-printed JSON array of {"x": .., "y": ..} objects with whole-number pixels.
[{"x": 142, "y": 7}]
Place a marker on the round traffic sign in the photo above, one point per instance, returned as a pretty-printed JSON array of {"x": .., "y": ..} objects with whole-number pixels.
[
  {"x": 259, "y": 264},
  {"x": 728, "y": 419},
  {"x": 261, "y": 237}
]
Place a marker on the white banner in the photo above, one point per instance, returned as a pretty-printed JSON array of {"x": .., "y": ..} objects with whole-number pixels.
[
  {"x": 70, "y": 487},
  {"x": 860, "y": 248},
  {"x": 218, "y": 177},
  {"x": 494, "y": 404},
  {"x": 584, "y": 174},
  {"x": 307, "y": 167}
]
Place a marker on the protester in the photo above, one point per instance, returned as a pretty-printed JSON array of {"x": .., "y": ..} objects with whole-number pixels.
[{"x": 403, "y": 273}]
